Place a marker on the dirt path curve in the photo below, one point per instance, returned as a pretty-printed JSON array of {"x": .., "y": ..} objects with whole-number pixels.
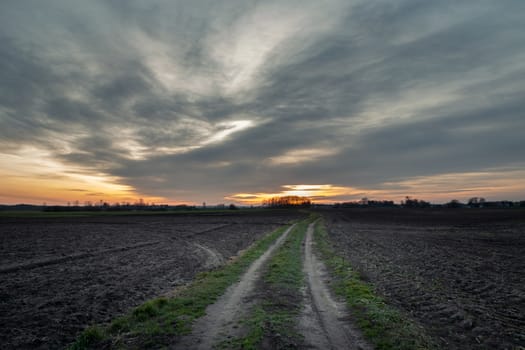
[
  {"x": 221, "y": 318},
  {"x": 211, "y": 257},
  {"x": 324, "y": 321}
]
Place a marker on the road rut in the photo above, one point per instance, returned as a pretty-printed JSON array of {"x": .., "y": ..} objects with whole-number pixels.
[{"x": 324, "y": 322}]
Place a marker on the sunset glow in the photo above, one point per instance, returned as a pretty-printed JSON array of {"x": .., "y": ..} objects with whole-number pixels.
[
  {"x": 317, "y": 193},
  {"x": 458, "y": 186},
  {"x": 31, "y": 176}
]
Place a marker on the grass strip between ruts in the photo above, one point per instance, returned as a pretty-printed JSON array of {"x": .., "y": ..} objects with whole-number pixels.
[
  {"x": 384, "y": 326},
  {"x": 272, "y": 321},
  {"x": 157, "y": 321}
]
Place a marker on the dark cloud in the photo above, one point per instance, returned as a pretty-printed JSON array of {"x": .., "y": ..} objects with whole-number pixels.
[{"x": 145, "y": 91}]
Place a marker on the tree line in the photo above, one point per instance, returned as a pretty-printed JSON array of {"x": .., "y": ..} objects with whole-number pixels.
[{"x": 287, "y": 202}]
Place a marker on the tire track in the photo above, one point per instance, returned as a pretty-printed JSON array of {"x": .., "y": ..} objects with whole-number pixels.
[
  {"x": 212, "y": 258},
  {"x": 324, "y": 321},
  {"x": 41, "y": 263},
  {"x": 222, "y": 316}
]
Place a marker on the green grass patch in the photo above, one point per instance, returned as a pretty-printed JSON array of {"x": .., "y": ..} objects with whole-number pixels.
[
  {"x": 272, "y": 322},
  {"x": 255, "y": 326},
  {"x": 91, "y": 335},
  {"x": 155, "y": 322},
  {"x": 383, "y": 325}
]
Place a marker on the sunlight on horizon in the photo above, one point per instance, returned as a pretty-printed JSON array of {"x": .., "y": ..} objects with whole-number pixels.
[
  {"x": 459, "y": 186},
  {"x": 33, "y": 176},
  {"x": 318, "y": 193}
]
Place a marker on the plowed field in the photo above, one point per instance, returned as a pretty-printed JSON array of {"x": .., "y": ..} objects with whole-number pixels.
[
  {"x": 458, "y": 273},
  {"x": 60, "y": 275}
]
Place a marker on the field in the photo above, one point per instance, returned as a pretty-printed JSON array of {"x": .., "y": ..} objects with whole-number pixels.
[
  {"x": 59, "y": 275},
  {"x": 458, "y": 273}
]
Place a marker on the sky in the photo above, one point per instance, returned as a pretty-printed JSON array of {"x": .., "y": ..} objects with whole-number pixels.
[{"x": 237, "y": 100}]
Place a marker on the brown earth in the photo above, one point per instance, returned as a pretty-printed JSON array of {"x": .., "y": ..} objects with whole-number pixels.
[
  {"x": 60, "y": 275},
  {"x": 458, "y": 273}
]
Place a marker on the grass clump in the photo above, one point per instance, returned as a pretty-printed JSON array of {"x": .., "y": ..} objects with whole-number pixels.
[
  {"x": 382, "y": 325},
  {"x": 91, "y": 335},
  {"x": 155, "y": 322},
  {"x": 255, "y": 325}
]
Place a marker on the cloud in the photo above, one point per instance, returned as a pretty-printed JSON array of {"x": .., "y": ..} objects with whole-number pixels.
[
  {"x": 300, "y": 156},
  {"x": 201, "y": 100}
]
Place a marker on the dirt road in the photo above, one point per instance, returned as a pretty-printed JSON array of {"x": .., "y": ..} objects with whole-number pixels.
[{"x": 324, "y": 322}]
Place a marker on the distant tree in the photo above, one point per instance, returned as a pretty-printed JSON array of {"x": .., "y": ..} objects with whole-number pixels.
[
  {"x": 365, "y": 202},
  {"x": 287, "y": 202},
  {"x": 415, "y": 203},
  {"x": 454, "y": 204},
  {"x": 233, "y": 207},
  {"x": 383, "y": 203}
]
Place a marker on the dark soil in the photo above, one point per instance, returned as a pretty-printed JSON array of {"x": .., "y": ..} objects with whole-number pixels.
[
  {"x": 458, "y": 273},
  {"x": 59, "y": 275}
]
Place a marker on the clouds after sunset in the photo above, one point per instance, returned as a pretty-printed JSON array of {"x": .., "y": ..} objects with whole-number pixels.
[{"x": 235, "y": 101}]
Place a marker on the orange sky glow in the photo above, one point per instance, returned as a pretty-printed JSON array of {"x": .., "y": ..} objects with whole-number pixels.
[{"x": 31, "y": 176}]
